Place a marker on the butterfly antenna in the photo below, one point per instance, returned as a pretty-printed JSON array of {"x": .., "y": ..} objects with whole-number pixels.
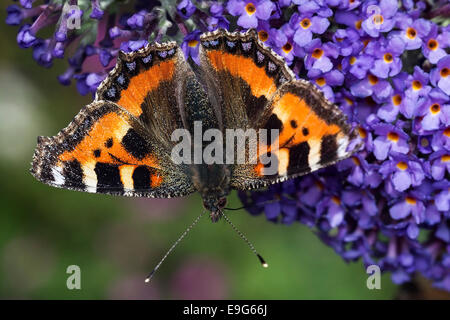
[
  {"x": 261, "y": 259},
  {"x": 149, "y": 277}
]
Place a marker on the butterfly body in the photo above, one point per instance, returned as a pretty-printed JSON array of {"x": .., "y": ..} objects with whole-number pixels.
[{"x": 122, "y": 143}]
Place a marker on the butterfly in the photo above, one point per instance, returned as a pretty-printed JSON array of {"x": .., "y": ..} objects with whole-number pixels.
[{"x": 122, "y": 143}]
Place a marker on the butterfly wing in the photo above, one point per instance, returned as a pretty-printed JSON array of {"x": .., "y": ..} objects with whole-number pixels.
[
  {"x": 252, "y": 88},
  {"x": 120, "y": 144},
  {"x": 105, "y": 149},
  {"x": 240, "y": 75},
  {"x": 312, "y": 134}
]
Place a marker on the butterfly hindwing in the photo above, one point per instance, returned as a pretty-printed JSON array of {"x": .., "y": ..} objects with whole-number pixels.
[
  {"x": 312, "y": 134},
  {"x": 106, "y": 149}
]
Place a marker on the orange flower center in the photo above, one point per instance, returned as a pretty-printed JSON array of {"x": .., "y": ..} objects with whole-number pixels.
[
  {"x": 402, "y": 165},
  {"x": 305, "y": 23},
  {"x": 317, "y": 53},
  {"x": 319, "y": 185},
  {"x": 432, "y": 44},
  {"x": 411, "y": 33},
  {"x": 250, "y": 8},
  {"x": 362, "y": 132},
  {"x": 358, "y": 24},
  {"x": 321, "y": 81},
  {"x": 424, "y": 142},
  {"x": 397, "y": 99},
  {"x": 192, "y": 43},
  {"x": 388, "y": 58},
  {"x": 393, "y": 136},
  {"x": 445, "y": 158},
  {"x": 373, "y": 79},
  {"x": 263, "y": 35},
  {"x": 378, "y": 19},
  {"x": 356, "y": 161},
  {"x": 336, "y": 200},
  {"x": 366, "y": 42},
  {"x": 445, "y": 72},
  {"x": 447, "y": 132},
  {"x": 287, "y": 47},
  {"x": 410, "y": 200},
  {"x": 417, "y": 85},
  {"x": 435, "y": 108},
  {"x": 352, "y": 60},
  {"x": 349, "y": 101}
]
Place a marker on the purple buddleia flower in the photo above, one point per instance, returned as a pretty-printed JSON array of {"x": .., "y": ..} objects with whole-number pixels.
[
  {"x": 270, "y": 36},
  {"x": 319, "y": 55},
  {"x": 26, "y": 37},
  {"x": 348, "y": 42},
  {"x": 380, "y": 17},
  {"x": 249, "y": 11},
  {"x": 284, "y": 45},
  {"x": 372, "y": 86},
  {"x": 389, "y": 138},
  {"x": 327, "y": 81},
  {"x": 27, "y": 3},
  {"x": 424, "y": 144},
  {"x": 358, "y": 66},
  {"x": 398, "y": 103},
  {"x": 331, "y": 207},
  {"x": 440, "y": 76},
  {"x": 413, "y": 31},
  {"x": 191, "y": 46},
  {"x": 97, "y": 12},
  {"x": 408, "y": 205},
  {"x": 387, "y": 54},
  {"x": 186, "y": 8},
  {"x": 306, "y": 25},
  {"x": 434, "y": 112},
  {"x": 217, "y": 18},
  {"x": 402, "y": 171},
  {"x": 14, "y": 15},
  {"x": 438, "y": 165},
  {"x": 435, "y": 44},
  {"x": 441, "y": 139},
  {"x": 417, "y": 89}
]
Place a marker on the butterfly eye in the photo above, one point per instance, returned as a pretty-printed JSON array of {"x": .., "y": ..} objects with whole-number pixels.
[{"x": 222, "y": 202}]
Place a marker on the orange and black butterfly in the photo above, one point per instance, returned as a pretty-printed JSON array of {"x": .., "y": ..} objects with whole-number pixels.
[{"x": 121, "y": 143}]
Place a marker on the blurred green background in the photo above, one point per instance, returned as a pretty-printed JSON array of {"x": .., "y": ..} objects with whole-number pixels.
[{"x": 117, "y": 241}]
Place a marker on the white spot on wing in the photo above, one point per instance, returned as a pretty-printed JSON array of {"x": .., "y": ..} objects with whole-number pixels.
[
  {"x": 126, "y": 173},
  {"x": 314, "y": 153},
  {"x": 58, "y": 175},
  {"x": 283, "y": 161},
  {"x": 342, "y": 146},
  {"x": 89, "y": 176}
]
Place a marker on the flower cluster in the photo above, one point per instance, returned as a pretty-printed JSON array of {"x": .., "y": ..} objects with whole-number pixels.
[{"x": 385, "y": 63}]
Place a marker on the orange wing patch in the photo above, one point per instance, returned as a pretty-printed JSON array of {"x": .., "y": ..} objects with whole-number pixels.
[
  {"x": 300, "y": 123},
  {"x": 312, "y": 133},
  {"x": 245, "y": 68},
  {"x": 103, "y": 143},
  {"x": 143, "y": 83}
]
